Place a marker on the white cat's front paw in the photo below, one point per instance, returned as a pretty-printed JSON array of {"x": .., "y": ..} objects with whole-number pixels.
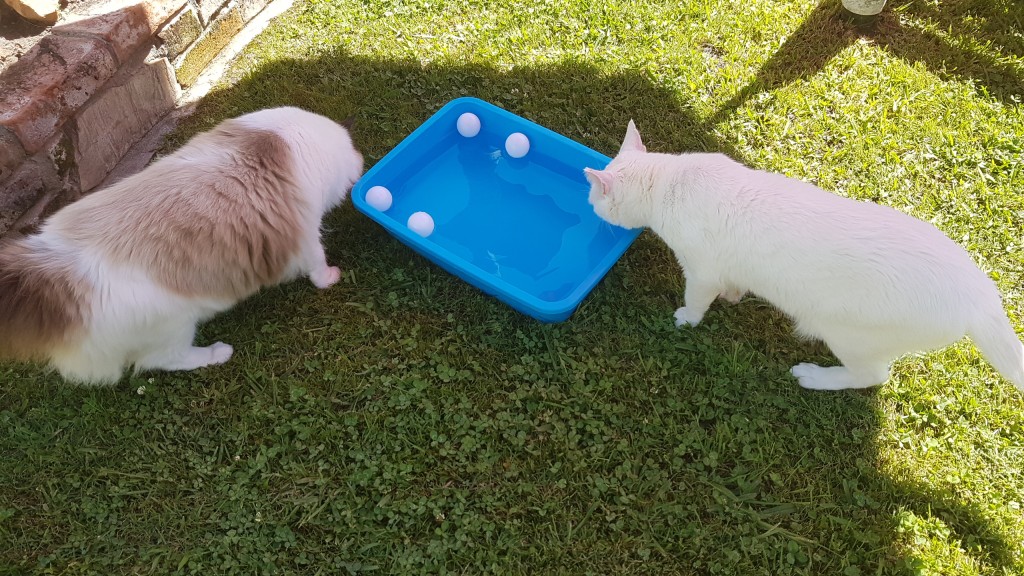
[
  {"x": 326, "y": 277},
  {"x": 220, "y": 353},
  {"x": 802, "y": 371},
  {"x": 686, "y": 317}
]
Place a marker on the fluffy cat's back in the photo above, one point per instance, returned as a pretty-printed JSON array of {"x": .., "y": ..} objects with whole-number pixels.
[{"x": 219, "y": 218}]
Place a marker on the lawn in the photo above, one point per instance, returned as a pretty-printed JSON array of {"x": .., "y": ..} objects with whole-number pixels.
[{"x": 403, "y": 422}]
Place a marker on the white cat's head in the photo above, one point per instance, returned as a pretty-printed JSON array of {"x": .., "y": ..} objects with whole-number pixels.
[{"x": 617, "y": 197}]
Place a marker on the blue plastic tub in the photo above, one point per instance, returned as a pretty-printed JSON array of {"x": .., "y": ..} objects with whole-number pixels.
[{"x": 520, "y": 229}]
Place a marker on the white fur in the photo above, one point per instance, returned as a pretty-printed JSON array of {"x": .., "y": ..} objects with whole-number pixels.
[
  {"x": 134, "y": 320},
  {"x": 871, "y": 282}
]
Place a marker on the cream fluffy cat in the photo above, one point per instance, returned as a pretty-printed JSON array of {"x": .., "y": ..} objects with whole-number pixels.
[
  {"x": 871, "y": 282},
  {"x": 121, "y": 277}
]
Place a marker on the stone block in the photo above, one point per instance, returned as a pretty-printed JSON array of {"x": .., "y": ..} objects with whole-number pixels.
[
  {"x": 157, "y": 11},
  {"x": 119, "y": 117},
  {"x": 42, "y": 184},
  {"x": 7, "y": 220},
  {"x": 180, "y": 32},
  {"x": 11, "y": 153},
  {"x": 126, "y": 25},
  {"x": 191, "y": 64},
  {"x": 250, "y": 8},
  {"x": 33, "y": 181},
  {"x": 125, "y": 29},
  {"x": 160, "y": 11},
  {"x": 208, "y": 9},
  {"x": 49, "y": 83}
]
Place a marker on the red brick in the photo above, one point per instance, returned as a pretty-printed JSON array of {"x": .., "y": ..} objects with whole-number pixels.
[
  {"x": 125, "y": 24},
  {"x": 125, "y": 29},
  {"x": 47, "y": 85}
]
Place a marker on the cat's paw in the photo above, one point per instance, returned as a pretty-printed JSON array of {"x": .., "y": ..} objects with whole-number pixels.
[
  {"x": 326, "y": 277},
  {"x": 733, "y": 296},
  {"x": 802, "y": 371},
  {"x": 220, "y": 352},
  {"x": 686, "y": 317},
  {"x": 814, "y": 377}
]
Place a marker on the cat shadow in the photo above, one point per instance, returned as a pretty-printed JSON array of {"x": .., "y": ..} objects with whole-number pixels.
[
  {"x": 390, "y": 98},
  {"x": 755, "y": 325},
  {"x": 826, "y": 31}
]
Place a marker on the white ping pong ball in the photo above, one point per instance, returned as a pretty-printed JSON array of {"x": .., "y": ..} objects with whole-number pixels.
[
  {"x": 468, "y": 124},
  {"x": 517, "y": 145},
  {"x": 421, "y": 223},
  {"x": 379, "y": 197}
]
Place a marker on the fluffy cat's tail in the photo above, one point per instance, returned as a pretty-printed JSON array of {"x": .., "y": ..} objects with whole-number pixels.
[
  {"x": 41, "y": 301},
  {"x": 994, "y": 337}
]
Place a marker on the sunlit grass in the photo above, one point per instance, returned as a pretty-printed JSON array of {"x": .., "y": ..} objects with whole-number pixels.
[{"x": 403, "y": 422}]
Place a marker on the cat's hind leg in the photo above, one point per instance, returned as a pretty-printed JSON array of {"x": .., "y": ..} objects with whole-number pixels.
[
  {"x": 174, "y": 351},
  {"x": 188, "y": 358},
  {"x": 814, "y": 377},
  {"x": 88, "y": 363},
  {"x": 864, "y": 364},
  {"x": 698, "y": 296}
]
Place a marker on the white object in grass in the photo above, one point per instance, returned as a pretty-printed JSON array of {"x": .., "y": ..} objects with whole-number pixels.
[
  {"x": 517, "y": 144},
  {"x": 468, "y": 124},
  {"x": 421, "y": 223},
  {"x": 379, "y": 197}
]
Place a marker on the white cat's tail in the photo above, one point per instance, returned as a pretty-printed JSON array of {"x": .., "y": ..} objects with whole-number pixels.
[
  {"x": 994, "y": 337},
  {"x": 41, "y": 301}
]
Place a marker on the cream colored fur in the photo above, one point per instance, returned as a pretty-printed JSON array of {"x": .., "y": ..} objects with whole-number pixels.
[
  {"x": 871, "y": 282},
  {"x": 143, "y": 261}
]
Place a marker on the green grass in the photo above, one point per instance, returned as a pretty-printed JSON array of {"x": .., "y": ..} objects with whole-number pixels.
[{"x": 402, "y": 422}]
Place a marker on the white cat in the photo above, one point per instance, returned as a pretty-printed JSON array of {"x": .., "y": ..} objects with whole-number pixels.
[
  {"x": 121, "y": 277},
  {"x": 871, "y": 282}
]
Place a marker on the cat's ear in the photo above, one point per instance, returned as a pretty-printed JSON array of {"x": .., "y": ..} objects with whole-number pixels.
[
  {"x": 347, "y": 123},
  {"x": 601, "y": 178},
  {"x": 632, "y": 142}
]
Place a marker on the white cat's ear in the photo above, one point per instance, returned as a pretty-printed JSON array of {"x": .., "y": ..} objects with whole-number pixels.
[
  {"x": 632, "y": 141},
  {"x": 601, "y": 178}
]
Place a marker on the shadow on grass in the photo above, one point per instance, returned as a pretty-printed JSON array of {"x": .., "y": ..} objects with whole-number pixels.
[
  {"x": 825, "y": 32},
  {"x": 391, "y": 98},
  {"x": 822, "y": 462}
]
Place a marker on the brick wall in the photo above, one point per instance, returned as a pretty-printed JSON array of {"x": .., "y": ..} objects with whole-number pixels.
[{"x": 74, "y": 104}]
